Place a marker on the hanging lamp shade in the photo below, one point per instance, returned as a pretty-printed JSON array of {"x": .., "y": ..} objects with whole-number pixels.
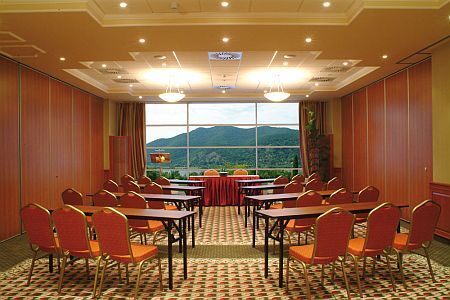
[
  {"x": 277, "y": 95},
  {"x": 172, "y": 96}
]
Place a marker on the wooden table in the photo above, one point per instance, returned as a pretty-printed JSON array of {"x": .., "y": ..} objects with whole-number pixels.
[
  {"x": 187, "y": 181},
  {"x": 283, "y": 216},
  {"x": 250, "y": 182}
]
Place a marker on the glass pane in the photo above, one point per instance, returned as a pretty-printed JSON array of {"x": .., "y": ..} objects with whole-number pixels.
[
  {"x": 222, "y": 136},
  {"x": 278, "y": 136},
  {"x": 178, "y": 159},
  {"x": 159, "y": 114},
  {"x": 168, "y": 173},
  {"x": 279, "y": 158},
  {"x": 222, "y": 113},
  {"x": 166, "y": 136},
  {"x": 222, "y": 158},
  {"x": 277, "y": 113}
]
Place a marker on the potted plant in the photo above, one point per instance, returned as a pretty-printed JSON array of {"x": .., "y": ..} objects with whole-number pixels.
[{"x": 318, "y": 148}]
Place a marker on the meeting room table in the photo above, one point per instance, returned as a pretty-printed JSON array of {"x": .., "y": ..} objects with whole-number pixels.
[
  {"x": 250, "y": 182},
  {"x": 282, "y": 217}
]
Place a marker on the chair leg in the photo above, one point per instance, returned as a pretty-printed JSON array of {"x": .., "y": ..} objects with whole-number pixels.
[
  {"x": 145, "y": 239},
  {"x": 333, "y": 272},
  {"x": 120, "y": 272},
  {"x": 87, "y": 268},
  {"x": 138, "y": 280},
  {"x": 287, "y": 273},
  {"x": 305, "y": 272},
  {"x": 102, "y": 278},
  {"x": 160, "y": 274},
  {"x": 298, "y": 239},
  {"x": 322, "y": 275},
  {"x": 355, "y": 261},
  {"x": 400, "y": 266},
  {"x": 345, "y": 278},
  {"x": 61, "y": 273},
  {"x": 388, "y": 262},
  {"x": 364, "y": 267},
  {"x": 97, "y": 268},
  {"x": 374, "y": 262},
  {"x": 425, "y": 249},
  {"x": 31, "y": 267},
  {"x": 127, "y": 274}
]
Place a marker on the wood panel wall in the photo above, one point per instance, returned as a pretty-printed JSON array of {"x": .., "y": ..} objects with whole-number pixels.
[
  {"x": 386, "y": 132},
  {"x": 46, "y": 141}
]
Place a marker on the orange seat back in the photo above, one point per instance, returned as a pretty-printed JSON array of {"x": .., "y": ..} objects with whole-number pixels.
[
  {"x": 298, "y": 178},
  {"x": 424, "y": 219},
  {"x": 131, "y": 186},
  {"x": 240, "y": 172},
  {"x": 134, "y": 200},
  {"x": 104, "y": 198},
  {"x": 211, "y": 172},
  {"x": 368, "y": 194},
  {"x": 341, "y": 196},
  {"x": 315, "y": 185},
  {"x": 71, "y": 226},
  {"x": 154, "y": 188},
  {"x": 292, "y": 187},
  {"x": 72, "y": 197},
  {"x": 144, "y": 180},
  {"x": 37, "y": 223},
  {"x": 112, "y": 232},
  {"x": 382, "y": 224},
  {"x": 126, "y": 178},
  {"x": 164, "y": 181},
  {"x": 332, "y": 233},
  {"x": 309, "y": 198},
  {"x": 111, "y": 186},
  {"x": 280, "y": 180},
  {"x": 335, "y": 184}
]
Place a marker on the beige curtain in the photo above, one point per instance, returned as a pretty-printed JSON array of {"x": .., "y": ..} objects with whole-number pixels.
[
  {"x": 132, "y": 124},
  {"x": 320, "y": 110}
]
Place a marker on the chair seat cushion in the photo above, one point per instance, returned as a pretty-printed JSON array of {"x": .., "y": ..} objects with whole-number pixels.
[
  {"x": 276, "y": 206},
  {"x": 401, "y": 240},
  {"x": 305, "y": 254},
  {"x": 52, "y": 249},
  {"x": 356, "y": 247},
  {"x": 291, "y": 226},
  {"x": 170, "y": 207},
  {"x": 85, "y": 253},
  {"x": 140, "y": 253},
  {"x": 152, "y": 226}
]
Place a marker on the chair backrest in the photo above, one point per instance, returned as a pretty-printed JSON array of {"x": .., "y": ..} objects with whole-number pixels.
[
  {"x": 332, "y": 233},
  {"x": 72, "y": 197},
  {"x": 240, "y": 172},
  {"x": 314, "y": 175},
  {"x": 280, "y": 180},
  {"x": 126, "y": 178},
  {"x": 134, "y": 200},
  {"x": 131, "y": 186},
  {"x": 340, "y": 196},
  {"x": 308, "y": 198},
  {"x": 315, "y": 185},
  {"x": 37, "y": 223},
  {"x": 164, "y": 181},
  {"x": 292, "y": 187},
  {"x": 368, "y": 194},
  {"x": 154, "y": 188},
  {"x": 298, "y": 178},
  {"x": 424, "y": 219},
  {"x": 335, "y": 184},
  {"x": 211, "y": 172},
  {"x": 382, "y": 224},
  {"x": 72, "y": 229},
  {"x": 112, "y": 232},
  {"x": 104, "y": 198},
  {"x": 111, "y": 186},
  {"x": 144, "y": 180}
]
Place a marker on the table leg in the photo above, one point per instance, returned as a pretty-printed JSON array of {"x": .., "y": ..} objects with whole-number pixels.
[
  {"x": 193, "y": 231},
  {"x": 280, "y": 262},
  {"x": 200, "y": 208},
  {"x": 169, "y": 253},
  {"x": 239, "y": 198},
  {"x": 245, "y": 210},
  {"x": 266, "y": 248},
  {"x": 184, "y": 249},
  {"x": 254, "y": 227},
  {"x": 50, "y": 263},
  {"x": 180, "y": 240}
]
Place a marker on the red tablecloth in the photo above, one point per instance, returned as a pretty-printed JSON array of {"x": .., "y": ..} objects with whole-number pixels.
[{"x": 222, "y": 190}]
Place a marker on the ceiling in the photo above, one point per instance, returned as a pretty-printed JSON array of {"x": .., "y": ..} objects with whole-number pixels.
[{"x": 99, "y": 41}]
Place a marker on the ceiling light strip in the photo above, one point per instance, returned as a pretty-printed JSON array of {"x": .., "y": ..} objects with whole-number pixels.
[{"x": 181, "y": 67}]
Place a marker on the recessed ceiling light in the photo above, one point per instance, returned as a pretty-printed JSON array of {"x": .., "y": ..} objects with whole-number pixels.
[
  {"x": 307, "y": 96},
  {"x": 308, "y": 40},
  {"x": 130, "y": 85},
  {"x": 123, "y": 4},
  {"x": 326, "y": 4},
  {"x": 181, "y": 92},
  {"x": 384, "y": 56},
  {"x": 287, "y": 56},
  {"x": 224, "y": 91},
  {"x": 345, "y": 63},
  {"x": 225, "y": 39},
  {"x": 265, "y": 91},
  {"x": 160, "y": 57},
  {"x": 163, "y": 64},
  {"x": 141, "y": 41},
  {"x": 62, "y": 58},
  {"x": 316, "y": 84},
  {"x": 140, "y": 97},
  {"x": 285, "y": 63},
  {"x": 119, "y": 76},
  {"x": 103, "y": 65},
  {"x": 224, "y": 3}
]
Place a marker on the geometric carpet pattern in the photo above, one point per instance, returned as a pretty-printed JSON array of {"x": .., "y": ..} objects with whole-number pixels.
[{"x": 239, "y": 277}]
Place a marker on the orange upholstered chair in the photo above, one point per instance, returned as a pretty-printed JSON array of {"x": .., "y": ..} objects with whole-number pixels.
[
  {"x": 142, "y": 227},
  {"x": 368, "y": 194},
  {"x": 341, "y": 196},
  {"x": 126, "y": 178},
  {"x": 309, "y": 198},
  {"x": 424, "y": 219},
  {"x": 314, "y": 175},
  {"x": 211, "y": 172},
  {"x": 298, "y": 178},
  {"x": 111, "y": 186},
  {"x": 240, "y": 172},
  {"x": 164, "y": 181},
  {"x": 131, "y": 186},
  {"x": 154, "y": 188},
  {"x": 72, "y": 197},
  {"x": 332, "y": 233},
  {"x": 114, "y": 240},
  {"x": 104, "y": 198},
  {"x": 315, "y": 185},
  {"x": 37, "y": 223},
  {"x": 382, "y": 224},
  {"x": 144, "y": 180},
  {"x": 292, "y": 187},
  {"x": 72, "y": 229},
  {"x": 335, "y": 184},
  {"x": 279, "y": 180}
]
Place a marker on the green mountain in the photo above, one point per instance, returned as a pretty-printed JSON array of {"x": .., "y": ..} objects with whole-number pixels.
[{"x": 232, "y": 136}]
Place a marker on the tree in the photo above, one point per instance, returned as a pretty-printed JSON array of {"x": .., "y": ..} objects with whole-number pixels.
[{"x": 295, "y": 166}]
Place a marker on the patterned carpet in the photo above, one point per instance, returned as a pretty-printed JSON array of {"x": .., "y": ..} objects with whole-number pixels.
[{"x": 215, "y": 275}]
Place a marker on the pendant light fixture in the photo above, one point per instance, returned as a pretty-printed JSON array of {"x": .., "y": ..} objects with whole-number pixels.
[
  {"x": 279, "y": 94},
  {"x": 172, "y": 96}
]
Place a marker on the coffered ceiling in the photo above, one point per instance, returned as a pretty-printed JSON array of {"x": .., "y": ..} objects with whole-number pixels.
[{"x": 99, "y": 42}]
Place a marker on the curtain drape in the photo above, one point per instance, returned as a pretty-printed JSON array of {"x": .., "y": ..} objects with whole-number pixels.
[
  {"x": 132, "y": 124},
  {"x": 319, "y": 108}
]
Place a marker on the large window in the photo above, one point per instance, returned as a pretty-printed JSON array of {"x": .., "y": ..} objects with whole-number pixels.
[{"x": 260, "y": 137}]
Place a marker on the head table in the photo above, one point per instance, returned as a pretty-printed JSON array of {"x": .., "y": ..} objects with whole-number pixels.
[{"x": 222, "y": 190}]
